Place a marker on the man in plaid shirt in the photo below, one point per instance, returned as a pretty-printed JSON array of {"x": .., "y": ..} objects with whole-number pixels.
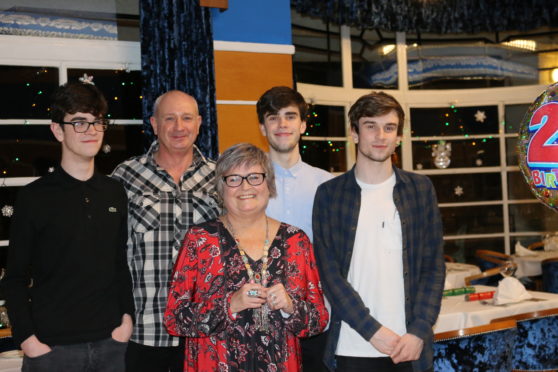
[
  {"x": 169, "y": 189},
  {"x": 378, "y": 245}
]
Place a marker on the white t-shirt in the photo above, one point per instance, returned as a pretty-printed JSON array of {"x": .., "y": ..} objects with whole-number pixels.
[{"x": 376, "y": 270}]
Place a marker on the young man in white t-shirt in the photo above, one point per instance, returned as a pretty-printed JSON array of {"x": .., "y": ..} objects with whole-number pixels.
[{"x": 378, "y": 244}]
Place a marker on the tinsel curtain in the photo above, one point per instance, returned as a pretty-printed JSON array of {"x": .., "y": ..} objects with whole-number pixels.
[
  {"x": 177, "y": 53},
  {"x": 435, "y": 16}
]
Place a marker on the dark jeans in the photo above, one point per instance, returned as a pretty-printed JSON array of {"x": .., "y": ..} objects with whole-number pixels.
[
  {"x": 355, "y": 364},
  {"x": 99, "y": 356},
  {"x": 313, "y": 353},
  {"x": 142, "y": 358}
]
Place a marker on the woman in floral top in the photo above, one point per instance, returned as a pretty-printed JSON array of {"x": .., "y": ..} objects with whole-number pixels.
[{"x": 245, "y": 287}]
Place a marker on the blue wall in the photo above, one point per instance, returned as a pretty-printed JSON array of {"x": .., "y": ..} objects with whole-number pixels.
[{"x": 254, "y": 21}]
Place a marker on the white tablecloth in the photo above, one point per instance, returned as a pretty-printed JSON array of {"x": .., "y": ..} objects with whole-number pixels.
[
  {"x": 457, "y": 272},
  {"x": 532, "y": 265},
  {"x": 456, "y": 313},
  {"x": 10, "y": 365}
]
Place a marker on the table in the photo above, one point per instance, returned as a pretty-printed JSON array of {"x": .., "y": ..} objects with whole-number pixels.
[
  {"x": 10, "y": 365},
  {"x": 456, "y": 313},
  {"x": 532, "y": 265},
  {"x": 457, "y": 272}
]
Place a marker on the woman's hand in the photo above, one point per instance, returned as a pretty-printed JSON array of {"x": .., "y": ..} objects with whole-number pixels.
[
  {"x": 249, "y": 296},
  {"x": 279, "y": 299}
]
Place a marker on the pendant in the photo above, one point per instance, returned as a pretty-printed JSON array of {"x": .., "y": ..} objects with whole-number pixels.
[{"x": 261, "y": 318}]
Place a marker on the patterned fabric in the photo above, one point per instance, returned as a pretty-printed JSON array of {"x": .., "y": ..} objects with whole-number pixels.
[
  {"x": 209, "y": 270},
  {"x": 487, "y": 352},
  {"x": 335, "y": 219},
  {"x": 536, "y": 345},
  {"x": 160, "y": 213},
  {"x": 177, "y": 53},
  {"x": 441, "y": 16},
  {"x": 550, "y": 276}
]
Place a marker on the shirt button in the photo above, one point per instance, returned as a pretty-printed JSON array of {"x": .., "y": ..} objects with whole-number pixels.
[
  {"x": 407, "y": 299},
  {"x": 89, "y": 216},
  {"x": 406, "y": 273},
  {"x": 86, "y": 199}
]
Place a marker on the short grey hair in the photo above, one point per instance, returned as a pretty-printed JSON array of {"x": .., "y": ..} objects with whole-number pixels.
[{"x": 244, "y": 154}]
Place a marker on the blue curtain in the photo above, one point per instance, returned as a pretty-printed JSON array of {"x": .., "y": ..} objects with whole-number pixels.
[
  {"x": 440, "y": 16},
  {"x": 177, "y": 53}
]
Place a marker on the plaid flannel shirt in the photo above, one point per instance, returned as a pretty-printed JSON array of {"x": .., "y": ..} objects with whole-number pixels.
[
  {"x": 335, "y": 220},
  {"x": 159, "y": 214}
]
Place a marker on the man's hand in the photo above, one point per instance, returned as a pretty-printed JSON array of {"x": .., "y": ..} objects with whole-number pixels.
[
  {"x": 33, "y": 348},
  {"x": 408, "y": 348},
  {"x": 123, "y": 332},
  {"x": 385, "y": 340}
]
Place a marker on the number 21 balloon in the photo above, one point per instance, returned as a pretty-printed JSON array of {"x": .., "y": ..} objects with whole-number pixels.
[{"x": 538, "y": 147}]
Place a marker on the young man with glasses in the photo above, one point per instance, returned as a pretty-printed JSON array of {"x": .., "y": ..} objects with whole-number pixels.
[{"x": 69, "y": 289}]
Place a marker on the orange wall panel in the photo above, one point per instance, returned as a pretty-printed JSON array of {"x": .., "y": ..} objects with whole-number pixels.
[
  {"x": 246, "y": 76},
  {"x": 239, "y": 123}
]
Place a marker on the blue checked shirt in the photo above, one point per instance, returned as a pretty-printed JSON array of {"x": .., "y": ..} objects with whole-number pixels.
[
  {"x": 159, "y": 214},
  {"x": 335, "y": 220}
]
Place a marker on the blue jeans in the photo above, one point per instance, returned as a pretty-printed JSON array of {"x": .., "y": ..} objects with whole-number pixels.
[{"x": 99, "y": 356}]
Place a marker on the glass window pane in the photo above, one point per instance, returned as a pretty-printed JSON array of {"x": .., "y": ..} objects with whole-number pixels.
[
  {"x": 478, "y": 152},
  {"x": 121, "y": 88},
  {"x": 463, "y": 250},
  {"x": 517, "y": 187},
  {"x": 532, "y": 217},
  {"x": 325, "y": 121},
  {"x": 472, "y": 220},
  {"x": 7, "y": 202},
  {"x": 27, "y": 150},
  {"x": 317, "y": 59},
  {"x": 511, "y": 151},
  {"x": 452, "y": 188},
  {"x": 328, "y": 155},
  {"x": 30, "y": 150},
  {"x": 374, "y": 59},
  {"x": 124, "y": 141},
  {"x": 514, "y": 115},
  {"x": 26, "y": 91},
  {"x": 449, "y": 121}
]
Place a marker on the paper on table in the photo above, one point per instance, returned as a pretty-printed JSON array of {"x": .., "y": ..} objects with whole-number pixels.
[
  {"x": 510, "y": 290},
  {"x": 522, "y": 251}
]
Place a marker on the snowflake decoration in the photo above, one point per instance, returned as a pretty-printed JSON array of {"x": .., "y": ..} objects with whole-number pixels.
[
  {"x": 478, "y": 162},
  {"x": 458, "y": 190},
  {"x": 480, "y": 116},
  {"x": 86, "y": 79},
  {"x": 7, "y": 211},
  {"x": 419, "y": 166},
  {"x": 50, "y": 169}
]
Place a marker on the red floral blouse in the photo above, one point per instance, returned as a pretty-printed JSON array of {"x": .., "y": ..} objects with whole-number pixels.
[{"x": 209, "y": 270}]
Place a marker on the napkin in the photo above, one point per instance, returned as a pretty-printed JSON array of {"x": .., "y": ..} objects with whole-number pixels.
[
  {"x": 551, "y": 243},
  {"x": 522, "y": 251},
  {"x": 510, "y": 290}
]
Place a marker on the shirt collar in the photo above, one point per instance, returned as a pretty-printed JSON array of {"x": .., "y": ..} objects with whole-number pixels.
[
  {"x": 291, "y": 172},
  {"x": 72, "y": 181}
]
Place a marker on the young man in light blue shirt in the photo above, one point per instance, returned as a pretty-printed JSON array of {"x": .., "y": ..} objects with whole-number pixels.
[{"x": 282, "y": 117}]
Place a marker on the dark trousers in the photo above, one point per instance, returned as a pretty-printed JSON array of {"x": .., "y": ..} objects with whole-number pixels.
[
  {"x": 142, "y": 358},
  {"x": 313, "y": 353},
  {"x": 99, "y": 356},
  {"x": 355, "y": 364}
]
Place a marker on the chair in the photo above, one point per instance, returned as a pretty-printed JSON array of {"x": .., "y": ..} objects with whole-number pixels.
[
  {"x": 448, "y": 258},
  {"x": 483, "y": 348},
  {"x": 479, "y": 278},
  {"x": 6, "y": 340},
  {"x": 487, "y": 260},
  {"x": 550, "y": 275},
  {"x": 536, "y": 246},
  {"x": 536, "y": 344}
]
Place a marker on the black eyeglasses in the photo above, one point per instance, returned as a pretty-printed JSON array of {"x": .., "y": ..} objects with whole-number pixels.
[
  {"x": 235, "y": 180},
  {"x": 82, "y": 126}
]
